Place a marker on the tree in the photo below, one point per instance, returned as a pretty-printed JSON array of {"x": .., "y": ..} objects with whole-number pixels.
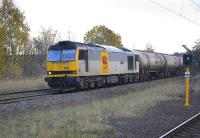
[
  {"x": 14, "y": 35},
  {"x": 39, "y": 45},
  {"x": 16, "y": 31},
  {"x": 37, "y": 49},
  {"x": 149, "y": 48},
  {"x": 196, "y": 48},
  {"x": 2, "y": 50},
  {"x": 103, "y": 35},
  {"x": 2, "y": 59}
]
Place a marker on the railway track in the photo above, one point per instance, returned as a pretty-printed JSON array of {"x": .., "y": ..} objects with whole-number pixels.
[
  {"x": 12, "y": 97},
  {"x": 6, "y": 98},
  {"x": 10, "y": 93},
  {"x": 188, "y": 129}
]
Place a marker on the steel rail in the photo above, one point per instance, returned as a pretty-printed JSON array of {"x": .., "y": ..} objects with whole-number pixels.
[
  {"x": 180, "y": 127},
  {"x": 28, "y": 91},
  {"x": 23, "y": 98},
  {"x": 13, "y": 97}
]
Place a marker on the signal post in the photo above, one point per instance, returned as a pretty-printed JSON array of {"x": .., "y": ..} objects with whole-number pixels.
[{"x": 187, "y": 60}]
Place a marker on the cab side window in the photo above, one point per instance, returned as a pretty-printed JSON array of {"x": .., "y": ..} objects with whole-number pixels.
[
  {"x": 82, "y": 54},
  {"x": 130, "y": 62},
  {"x": 136, "y": 60}
]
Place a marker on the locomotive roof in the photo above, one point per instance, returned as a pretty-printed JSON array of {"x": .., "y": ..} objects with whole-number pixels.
[
  {"x": 73, "y": 45},
  {"x": 112, "y": 49}
]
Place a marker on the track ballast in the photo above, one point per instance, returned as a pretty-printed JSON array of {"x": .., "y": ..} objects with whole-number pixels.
[{"x": 188, "y": 129}]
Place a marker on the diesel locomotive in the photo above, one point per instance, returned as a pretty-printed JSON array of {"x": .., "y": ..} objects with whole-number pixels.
[{"x": 82, "y": 65}]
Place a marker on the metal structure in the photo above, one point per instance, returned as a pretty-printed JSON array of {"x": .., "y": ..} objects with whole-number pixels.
[{"x": 188, "y": 61}]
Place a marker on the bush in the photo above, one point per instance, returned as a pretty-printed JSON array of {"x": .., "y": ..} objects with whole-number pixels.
[
  {"x": 13, "y": 70},
  {"x": 32, "y": 69},
  {"x": 2, "y": 61}
]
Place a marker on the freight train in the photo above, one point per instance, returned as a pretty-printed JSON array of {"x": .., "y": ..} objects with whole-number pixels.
[{"x": 83, "y": 66}]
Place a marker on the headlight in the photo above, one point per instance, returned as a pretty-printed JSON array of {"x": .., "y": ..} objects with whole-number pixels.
[{"x": 49, "y": 73}]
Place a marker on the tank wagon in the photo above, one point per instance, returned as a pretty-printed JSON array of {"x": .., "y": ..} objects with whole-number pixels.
[
  {"x": 157, "y": 65},
  {"x": 80, "y": 65}
]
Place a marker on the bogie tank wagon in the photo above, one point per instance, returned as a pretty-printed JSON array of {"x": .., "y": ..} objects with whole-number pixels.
[{"x": 158, "y": 65}]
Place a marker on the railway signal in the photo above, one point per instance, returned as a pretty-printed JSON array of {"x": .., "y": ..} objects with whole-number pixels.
[{"x": 187, "y": 61}]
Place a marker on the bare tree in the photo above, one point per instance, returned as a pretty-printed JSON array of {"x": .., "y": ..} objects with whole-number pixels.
[
  {"x": 34, "y": 62},
  {"x": 39, "y": 45},
  {"x": 196, "y": 48},
  {"x": 149, "y": 48}
]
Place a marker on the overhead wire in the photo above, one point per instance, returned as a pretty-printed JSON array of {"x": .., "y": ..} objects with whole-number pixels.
[
  {"x": 195, "y": 3},
  {"x": 181, "y": 7},
  {"x": 174, "y": 12}
]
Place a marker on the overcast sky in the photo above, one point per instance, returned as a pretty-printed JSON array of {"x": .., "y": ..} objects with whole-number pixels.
[{"x": 137, "y": 21}]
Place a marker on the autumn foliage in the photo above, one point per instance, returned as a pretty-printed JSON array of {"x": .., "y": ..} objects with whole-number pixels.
[
  {"x": 20, "y": 55},
  {"x": 103, "y": 35}
]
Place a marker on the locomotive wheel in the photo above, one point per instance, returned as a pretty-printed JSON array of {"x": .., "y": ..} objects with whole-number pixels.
[
  {"x": 81, "y": 84},
  {"x": 103, "y": 82},
  {"x": 86, "y": 85},
  {"x": 131, "y": 79},
  {"x": 99, "y": 83},
  {"x": 91, "y": 84}
]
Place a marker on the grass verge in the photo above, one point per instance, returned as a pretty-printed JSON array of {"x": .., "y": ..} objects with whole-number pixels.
[
  {"x": 91, "y": 120},
  {"x": 14, "y": 85}
]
